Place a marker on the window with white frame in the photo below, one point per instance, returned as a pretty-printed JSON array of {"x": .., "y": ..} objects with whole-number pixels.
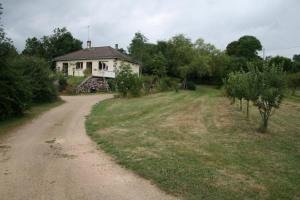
[{"x": 103, "y": 66}]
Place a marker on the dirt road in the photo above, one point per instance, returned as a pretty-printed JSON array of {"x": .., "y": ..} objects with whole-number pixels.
[{"x": 52, "y": 158}]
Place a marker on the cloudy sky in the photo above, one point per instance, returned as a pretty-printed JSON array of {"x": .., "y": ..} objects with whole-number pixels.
[{"x": 276, "y": 23}]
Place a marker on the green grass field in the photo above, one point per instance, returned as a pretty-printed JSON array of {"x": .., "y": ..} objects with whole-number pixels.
[
  {"x": 34, "y": 111},
  {"x": 196, "y": 145}
]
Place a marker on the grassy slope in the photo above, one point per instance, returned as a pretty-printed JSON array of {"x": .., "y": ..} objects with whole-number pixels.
[
  {"x": 198, "y": 146},
  {"x": 75, "y": 80},
  {"x": 8, "y": 125}
]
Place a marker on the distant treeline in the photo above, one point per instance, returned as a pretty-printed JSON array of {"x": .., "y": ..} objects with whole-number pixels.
[{"x": 201, "y": 62}]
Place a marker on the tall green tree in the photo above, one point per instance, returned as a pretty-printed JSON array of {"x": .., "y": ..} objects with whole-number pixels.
[
  {"x": 142, "y": 51},
  {"x": 180, "y": 54},
  {"x": 60, "y": 42},
  {"x": 247, "y": 47},
  {"x": 36, "y": 71},
  {"x": 137, "y": 47},
  {"x": 15, "y": 94},
  {"x": 34, "y": 47}
]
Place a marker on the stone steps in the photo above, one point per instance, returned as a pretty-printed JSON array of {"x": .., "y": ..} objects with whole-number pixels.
[{"x": 93, "y": 84}]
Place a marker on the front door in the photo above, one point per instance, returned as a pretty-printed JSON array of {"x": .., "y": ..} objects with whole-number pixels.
[
  {"x": 89, "y": 66},
  {"x": 65, "y": 69}
]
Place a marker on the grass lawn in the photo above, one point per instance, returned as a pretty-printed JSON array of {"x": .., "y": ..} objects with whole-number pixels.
[
  {"x": 195, "y": 145},
  {"x": 34, "y": 111},
  {"x": 75, "y": 80}
]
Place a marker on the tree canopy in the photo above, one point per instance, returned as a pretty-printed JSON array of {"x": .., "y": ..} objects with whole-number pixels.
[
  {"x": 60, "y": 42},
  {"x": 247, "y": 47}
]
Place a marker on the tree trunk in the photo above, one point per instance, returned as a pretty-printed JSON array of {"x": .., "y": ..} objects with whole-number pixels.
[
  {"x": 248, "y": 109},
  {"x": 241, "y": 104},
  {"x": 264, "y": 125},
  {"x": 184, "y": 84}
]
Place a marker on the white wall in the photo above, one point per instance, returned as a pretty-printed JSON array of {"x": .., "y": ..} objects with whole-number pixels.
[{"x": 111, "y": 63}]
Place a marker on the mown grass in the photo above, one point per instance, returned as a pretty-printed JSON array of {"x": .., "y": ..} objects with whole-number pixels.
[
  {"x": 75, "y": 80},
  {"x": 34, "y": 111},
  {"x": 196, "y": 145}
]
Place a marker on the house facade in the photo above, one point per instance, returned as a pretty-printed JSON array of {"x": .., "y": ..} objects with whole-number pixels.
[{"x": 96, "y": 61}]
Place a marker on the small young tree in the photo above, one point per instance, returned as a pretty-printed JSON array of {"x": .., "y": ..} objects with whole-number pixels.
[
  {"x": 127, "y": 82},
  {"x": 264, "y": 86},
  {"x": 250, "y": 85},
  {"x": 271, "y": 84},
  {"x": 234, "y": 87}
]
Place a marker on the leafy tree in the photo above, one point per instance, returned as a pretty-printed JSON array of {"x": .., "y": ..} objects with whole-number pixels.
[
  {"x": 230, "y": 84},
  {"x": 266, "y": 85},
  {"x": 296, "y": 58},
  {"x": 49, "y": 47},
  {"x": 128, "y": 82},
  {"x": 34, "y": 47},
  {"x": 220, "y": 67},
  {"x": 271, "y": 85},
  {"x": 142, "y": 52},
  {"x": 37, "y": 71},
  {"x": 250, "y": 84},
  {"x": 280, "y": 60},
  {"x": 232, "y": 48},
  {"x": 137, "y": 46},
  {"x": 180, "y": 54},
  {"x": 159, "y": 65},
  {"x": 15, "y": 95},
  {"x": 247, "y": 47},
  {"x": 60, "y": 42}
]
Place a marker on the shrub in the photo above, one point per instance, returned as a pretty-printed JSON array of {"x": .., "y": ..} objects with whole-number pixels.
[
  {"x": 149, "y": 83},
  {"x": 37, "y": 71},
  {"x": 127, "y": 82},
  {"x": 191, "y": 85},
  {"x": 112, "y": 84},
  {"x": 168, "y": 83},
  {"x": 62, "y": 82},
  {"x": 136, "y": 85},
  {"x": 15, "y": 92}
]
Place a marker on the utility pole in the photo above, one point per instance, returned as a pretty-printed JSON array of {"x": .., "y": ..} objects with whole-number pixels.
[{"x": 263, "y": 49}]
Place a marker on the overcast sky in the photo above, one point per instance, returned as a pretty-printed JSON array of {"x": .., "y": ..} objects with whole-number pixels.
[{"x": 276, "y": 23}]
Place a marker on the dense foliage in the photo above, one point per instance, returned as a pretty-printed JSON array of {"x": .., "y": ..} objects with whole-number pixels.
[
  {"x": 23, "y": 80},
  {"x": 49, "y": 47},
  {"x": 199, "y": 62},
  {"x": 127, "y": 82},
  {"x": 37, "y": 72}
]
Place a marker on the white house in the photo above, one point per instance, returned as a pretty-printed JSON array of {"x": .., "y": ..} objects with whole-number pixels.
[{"x": 101, "y": 62}]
